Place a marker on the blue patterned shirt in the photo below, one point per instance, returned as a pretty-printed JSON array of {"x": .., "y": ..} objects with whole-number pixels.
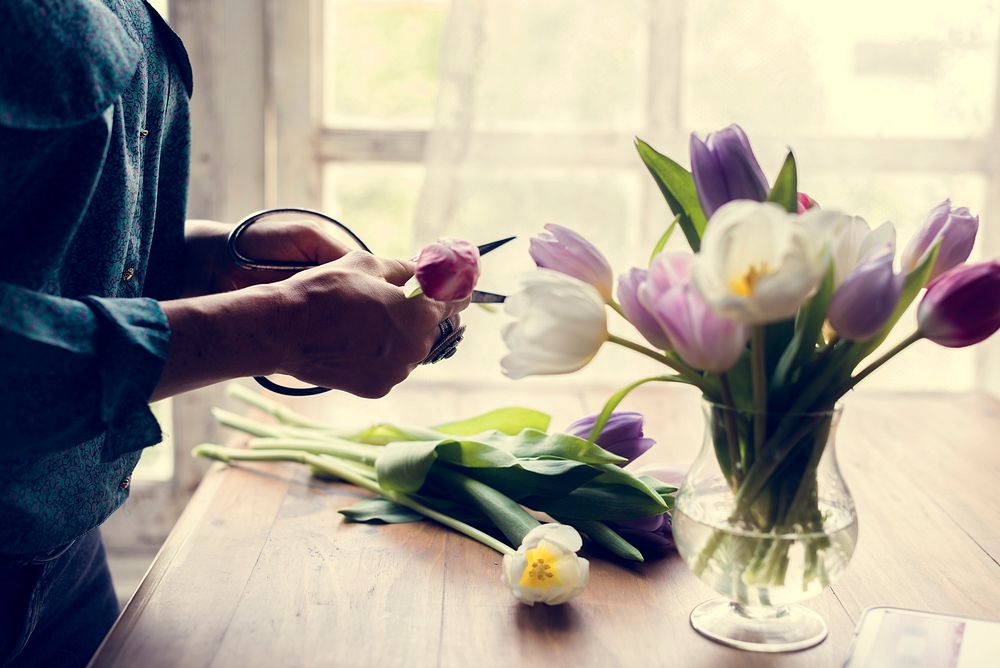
[{"x": 94, "y": 149}]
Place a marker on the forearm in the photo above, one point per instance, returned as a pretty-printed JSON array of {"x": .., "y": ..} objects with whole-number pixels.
[
  {"x": 218, "y": 337},
  {"x": 204, "y": 250}
]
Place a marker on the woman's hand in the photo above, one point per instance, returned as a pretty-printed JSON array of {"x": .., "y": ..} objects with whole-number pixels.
[
  {"x": 346, "y": 324},
  {"x": 210, "y": 270}
]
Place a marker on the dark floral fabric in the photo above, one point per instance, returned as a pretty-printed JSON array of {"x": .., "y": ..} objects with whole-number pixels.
[{"x": 94, "y": 153}]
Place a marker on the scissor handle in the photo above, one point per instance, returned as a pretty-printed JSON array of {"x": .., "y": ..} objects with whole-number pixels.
[{"x": 246, "y": 262}]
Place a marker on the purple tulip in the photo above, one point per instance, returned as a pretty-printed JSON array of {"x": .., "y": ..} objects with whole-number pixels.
[
  {"x": 563, "y": 250},
  {"x": 448, "y": 270},
  {"x": 628, "y": 296},
  {"x": 955, "y": 228},
  {"x": 622, "y": 434},
  {"x": 866, "y": 299},
  {"x": 653, "y": 536},
  {"x": 702, "y": 338},
  {"x": 725, "y": 169},
  {"x": 962, "y": 307}
]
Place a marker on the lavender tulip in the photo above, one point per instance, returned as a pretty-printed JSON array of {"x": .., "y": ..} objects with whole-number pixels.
[
  {"x": 653, "y": 536},
  {"x": 563, "y": 250},
  {"x": 622, "y": 433},
  {"x": 448, "y": 270},
  {"x": 702, "y": 338},
  {"x": 866, "y": 299},
  {"x": 962, "y": 307},
  {"x": 954, "y": 227},
  {"x": 628, "y": 296},
  {"x": 725, "y": 169}
]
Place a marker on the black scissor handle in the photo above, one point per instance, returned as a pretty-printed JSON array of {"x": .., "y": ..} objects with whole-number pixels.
[{"x": 246, "y": 262}]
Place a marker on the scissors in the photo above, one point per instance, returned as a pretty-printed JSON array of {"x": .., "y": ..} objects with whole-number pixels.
[{"x": 448, "y": 337}]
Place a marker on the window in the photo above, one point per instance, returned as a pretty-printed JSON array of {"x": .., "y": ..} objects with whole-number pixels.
[{"x": 889, "y": 106}]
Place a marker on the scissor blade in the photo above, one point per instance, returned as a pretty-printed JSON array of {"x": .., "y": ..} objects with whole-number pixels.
[
  {"x": 493, "y": 245},
  {"x": 480, "y": 297}
]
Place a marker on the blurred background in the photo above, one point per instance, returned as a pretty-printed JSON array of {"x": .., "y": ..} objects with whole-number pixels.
[{"x": 414, "y": 119}]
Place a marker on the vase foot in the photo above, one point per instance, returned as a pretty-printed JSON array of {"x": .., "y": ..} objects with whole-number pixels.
[{"x": 784, "y": 629}]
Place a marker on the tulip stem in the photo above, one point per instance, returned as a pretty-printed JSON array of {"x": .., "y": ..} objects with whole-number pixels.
[
  {"x": 616, "y": 307},
  {"x": 347, "y": 473},
  {"x": 735, "y": 459},
  {"x": 759, "y": 370},
  {"x": 898, "y": 348},
  {"x": 690, "y": 374}
]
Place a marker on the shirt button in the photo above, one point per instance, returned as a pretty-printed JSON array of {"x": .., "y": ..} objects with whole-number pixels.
[
  {"x": 123, "y": 485},
  {"x": 128, "y": 274},
  {"x": 143, "y": 134}
]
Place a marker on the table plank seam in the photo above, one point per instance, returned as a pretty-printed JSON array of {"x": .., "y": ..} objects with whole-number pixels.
[
  {"x": 444, "y": 586},
  {"x": 256, "y": 562}
]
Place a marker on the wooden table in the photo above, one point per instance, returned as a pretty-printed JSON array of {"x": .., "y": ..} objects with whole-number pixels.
[{"x": 262, "y": 571}]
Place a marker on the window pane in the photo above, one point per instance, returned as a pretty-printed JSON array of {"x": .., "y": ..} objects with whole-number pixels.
[
  {"x": 856, "y": 67},
  {"x": 376, "y": 201},
  {"x": 157, "y": 462},
  {"x": 562, "y": 64},
  {"x": 380, "y": 61}
]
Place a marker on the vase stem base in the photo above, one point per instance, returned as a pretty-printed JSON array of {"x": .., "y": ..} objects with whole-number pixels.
[{"x": 785, "y": 629}]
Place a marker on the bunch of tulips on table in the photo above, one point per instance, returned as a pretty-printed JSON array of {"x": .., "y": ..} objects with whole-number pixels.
[
  {"x": 481, "y": 476},
  {"x": 777, "y": 312}
]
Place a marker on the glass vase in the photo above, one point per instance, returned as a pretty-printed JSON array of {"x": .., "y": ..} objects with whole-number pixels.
[{"x": 765, "y": 519}]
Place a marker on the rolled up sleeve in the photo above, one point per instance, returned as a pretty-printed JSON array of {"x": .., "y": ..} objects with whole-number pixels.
[{"x": 75, "y": 368}]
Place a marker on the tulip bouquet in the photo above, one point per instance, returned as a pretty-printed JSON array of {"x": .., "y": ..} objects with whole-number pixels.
[
  {"x": 481, "y": 476},
  {"x": 774, "y": 315}
]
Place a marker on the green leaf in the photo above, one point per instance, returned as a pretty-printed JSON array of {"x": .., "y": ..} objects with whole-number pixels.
[
  {"x": 612, "y": 403},
  {"x": 677, "y": 186},
  {"x": 808, "y": 326},
  {"x": 404, "y": 465},
  {"x": 785, "y": 191},
  {"x": 539, "y": 477},
  {"x": 507, "y": 515},
  {"x": 662, "y": 243},
  {"x": 599, "y": 501},
  {"x": 512, "y": 420},
  {"x": 381, "y": 511},
  {"x": 606, "y": 537},
  {"x": 777, "y": 337}
]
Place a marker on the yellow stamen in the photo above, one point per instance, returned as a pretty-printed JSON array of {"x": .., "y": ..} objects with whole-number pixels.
[
  {"x": 541, "y": 572},
  {"x": 745, "y": 285}
]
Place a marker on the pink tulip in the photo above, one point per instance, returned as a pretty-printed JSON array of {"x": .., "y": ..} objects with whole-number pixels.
[
  {"x": 448, "y": 270},
  {"x": 806, "y": 202},
  {"x": 561, "y": 249},
  {"x": 702, "y": 338},
  {"x": 628, "y": 296},
  {"x": 955, "y": 228},
  {"x": 962, "y": 307},
  {"x": 866, "y": 299}
]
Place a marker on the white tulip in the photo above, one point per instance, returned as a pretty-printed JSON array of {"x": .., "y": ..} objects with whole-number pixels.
[
  {"x": 560, "y": 325},
  {"x": 758, "y": 263},
  {"x": 851, "y": 239},
  {"x": 545, "y": 568}
]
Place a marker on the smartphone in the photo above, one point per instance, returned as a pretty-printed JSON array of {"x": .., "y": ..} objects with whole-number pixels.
[{"x": 900, "y": 638}]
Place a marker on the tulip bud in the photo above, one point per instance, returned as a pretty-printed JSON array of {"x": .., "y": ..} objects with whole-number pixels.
[
  {"x": 622, "y": 434},
  {"x": 702, "y": 338},
  {"x": 563, "y": 250},
  {"x": 956, "y": 230},
  {"x": 866, "y": 299},
  {"x": 560, "y": 324},
  {"x": 448, "y": 270},
  {"x": 962, "y": 307},
  {"x": 545, "y": 568},
  {"x": 628, "y": 296},
  {"x": 805, "y": 202},
  {"x": 725, "y": 169}
]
